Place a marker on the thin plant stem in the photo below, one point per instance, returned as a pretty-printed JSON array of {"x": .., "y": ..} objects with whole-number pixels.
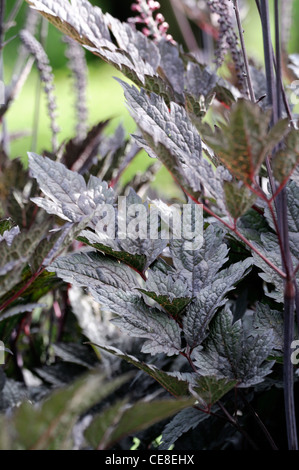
[
  {"x": 259, "y": 421},
  {"x": 278, "y": 59},
  {"x": 288, "y": 373},
  {"x": 184, "y": 26},
  {"x": 36, "y": 117},
  {"x": 14, "y": 12},
  {"x": 274, "y": 97},
  {"x": 284, "y": 96},
  {"x": 246, "y": 63},
  {"x": 235, "y": 423},
  {"x": 297, "y": 300},
  {"x": 290, "y": 291},
  {"x": 4, "y": 136},
  {"x": 280, "y": 241},
  {"x": 22, "y": 289},
  {"x": 264, "y": 9},
  {"x": 2, "y": 14}
]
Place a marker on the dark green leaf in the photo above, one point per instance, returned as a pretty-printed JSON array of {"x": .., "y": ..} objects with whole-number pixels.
[{"x": 114, "y": 424}]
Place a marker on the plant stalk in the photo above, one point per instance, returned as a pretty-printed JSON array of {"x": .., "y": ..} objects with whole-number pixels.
[
  {"x": 288, "y": 374},
  {"x": 274, "y": 99},
  {"x": 4, "y": 137},
  {"x": 14, "y": 12},
  {"x": 245, "y": 58},
  {"x": 259, "y": 421}
]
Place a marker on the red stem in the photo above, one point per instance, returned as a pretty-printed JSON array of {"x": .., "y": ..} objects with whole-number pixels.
[
  {"x": 20, "y": 291},
  {"x": 244, "y": 239}
]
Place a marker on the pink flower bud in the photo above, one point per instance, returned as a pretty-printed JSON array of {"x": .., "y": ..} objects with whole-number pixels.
[
  {"x": 135, "y": 7},
  {"x": 153, "y": 5},
  {"x": 170, "y": 39},
  {"x": 136, "y": 19},
  {"x": 163, "y": 27},
  {"x": 146, "y": 31},
  {"x": 159, "y": 18}
]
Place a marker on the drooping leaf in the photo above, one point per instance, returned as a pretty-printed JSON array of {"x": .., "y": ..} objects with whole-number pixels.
[
  {"x": 134, "y": 54},
  {"x": 137, "y": 319},
  {"x": 17, "y": 309},
  {"x": 112, "y": 425},
  {"x": 74, "y": 353},
  {"x": 177, "y": 385},
  {"x": 49, "y": 425},
  {"x": 112, "y": 284}
]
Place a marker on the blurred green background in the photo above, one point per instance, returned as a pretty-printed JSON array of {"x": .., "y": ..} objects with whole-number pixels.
[{"x": 104, "y": 94}]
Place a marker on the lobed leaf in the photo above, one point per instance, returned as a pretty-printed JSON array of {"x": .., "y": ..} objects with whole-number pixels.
[
  {"x": 68, "y": 196},
  {"x": 199, "y": 267},
  {"x": 201, "y": 311},
  {"x": 183, "y": 422},
  {"x": 232, "y": 353},
  {"x": 244, "y": 142}
]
